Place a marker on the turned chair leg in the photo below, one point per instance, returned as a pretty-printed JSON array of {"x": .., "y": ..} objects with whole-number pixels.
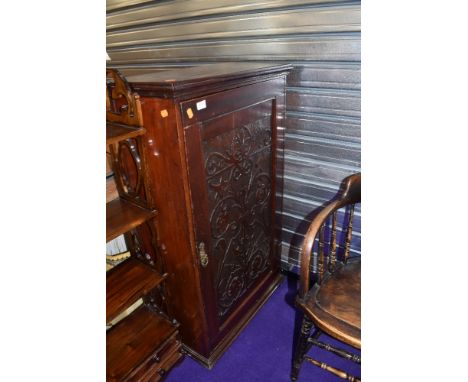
[{"x": 301, "y": 347}]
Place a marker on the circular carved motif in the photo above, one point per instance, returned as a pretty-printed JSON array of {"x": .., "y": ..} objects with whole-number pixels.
[
  {"x": 256, "y": 264},
  {"x": 225, "y": 216},
  {"x": 129, "y": 167}
]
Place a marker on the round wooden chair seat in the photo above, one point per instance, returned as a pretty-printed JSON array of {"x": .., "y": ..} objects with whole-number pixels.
[{"x": 335, "y": 305}]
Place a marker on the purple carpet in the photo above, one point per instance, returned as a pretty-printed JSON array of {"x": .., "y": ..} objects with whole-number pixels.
[{"x": 263, "y": 351}]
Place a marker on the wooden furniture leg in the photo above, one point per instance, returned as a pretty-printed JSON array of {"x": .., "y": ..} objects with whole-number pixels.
[{"x": 301, "y": 347}]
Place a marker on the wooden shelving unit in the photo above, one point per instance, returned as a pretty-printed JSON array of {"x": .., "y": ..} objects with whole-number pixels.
[{"x": 145, "y": 344}]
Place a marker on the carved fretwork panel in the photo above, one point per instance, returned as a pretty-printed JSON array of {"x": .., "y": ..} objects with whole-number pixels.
[
  {"x": 128, "y": 167},
  {"x": 144, "y": 245},
  {"x": 122, "y": 105},
  {"x": 156, "y": 300},
  {"x": 237, "y": 165}
]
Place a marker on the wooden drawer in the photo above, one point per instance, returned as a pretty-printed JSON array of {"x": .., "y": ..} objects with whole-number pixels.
[
  {"x": 159, "y": 363},
  {"x": 168, "y": 365}
]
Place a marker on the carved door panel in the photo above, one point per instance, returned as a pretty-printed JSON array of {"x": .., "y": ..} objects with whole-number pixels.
[{"x": 230, "y": 165}]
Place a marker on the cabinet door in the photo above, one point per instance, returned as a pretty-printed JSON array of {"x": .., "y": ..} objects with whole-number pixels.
[{"x": 231, "y": 164}]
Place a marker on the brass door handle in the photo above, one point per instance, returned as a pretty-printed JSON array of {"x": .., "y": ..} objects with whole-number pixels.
[{"x": 202, "y": 254}]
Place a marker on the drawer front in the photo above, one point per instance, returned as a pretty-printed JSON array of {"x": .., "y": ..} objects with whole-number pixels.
[
  {"x": 152, "y": 367},
  {"x": 168, "y": 364}
]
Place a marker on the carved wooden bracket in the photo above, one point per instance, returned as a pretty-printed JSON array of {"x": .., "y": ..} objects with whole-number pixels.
[{"x": 122, "y": 105}]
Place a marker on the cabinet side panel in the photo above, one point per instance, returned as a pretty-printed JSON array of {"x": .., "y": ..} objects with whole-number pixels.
[{"x": 167, "y": 174}]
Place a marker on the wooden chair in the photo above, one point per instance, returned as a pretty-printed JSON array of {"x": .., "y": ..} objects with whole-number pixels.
[{"x": 329, "y": 285}]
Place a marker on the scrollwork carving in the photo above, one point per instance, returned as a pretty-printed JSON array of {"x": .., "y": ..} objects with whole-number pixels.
[
  {"x": 124, "y": 106},
  {"x": 238, "y": 169}
]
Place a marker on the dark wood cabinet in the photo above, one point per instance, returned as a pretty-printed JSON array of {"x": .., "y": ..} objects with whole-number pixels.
[{"x": 214, "y": 152}]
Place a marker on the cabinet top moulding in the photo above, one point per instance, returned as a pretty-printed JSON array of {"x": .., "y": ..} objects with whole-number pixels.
[
  {"x": 116, "y": 132},
  {"x": 202, "y": 79}
]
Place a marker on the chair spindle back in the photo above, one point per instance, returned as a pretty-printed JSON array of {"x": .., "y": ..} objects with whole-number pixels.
[{"x": 317, "y": 261}]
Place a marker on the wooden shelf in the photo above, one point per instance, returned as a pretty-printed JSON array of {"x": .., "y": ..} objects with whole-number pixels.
[
  {"x": 123, "y": 216},
  {"x": 116, "y": 132},
  {"x": 132, "y": 341},
  {"x": 126, "y": 283}
]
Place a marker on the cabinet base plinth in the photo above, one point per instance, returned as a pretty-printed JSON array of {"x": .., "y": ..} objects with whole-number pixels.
[{"x": 224, "y": 344}]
